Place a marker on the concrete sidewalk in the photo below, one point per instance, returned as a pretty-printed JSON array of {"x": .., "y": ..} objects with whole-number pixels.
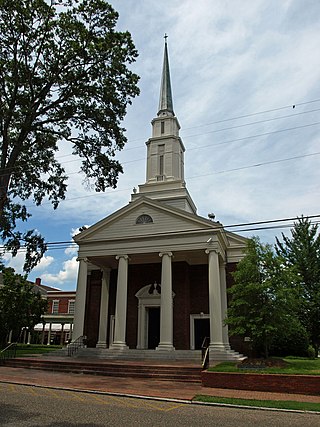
[{"x": 134, "y": 387}]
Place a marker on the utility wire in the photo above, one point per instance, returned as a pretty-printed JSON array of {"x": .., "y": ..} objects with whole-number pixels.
[
  {"x": 190, "y": 177},
  {"x": 254, "y": 114},
  {"x": 244, "y": 116},
  {"x": 255, "y": 165},
  {"x": 195, "y": 148},
  {"x": 218, "y": 226}
]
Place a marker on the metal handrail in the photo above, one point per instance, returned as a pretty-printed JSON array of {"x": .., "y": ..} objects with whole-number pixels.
[
  {"x": 80, "y": 342},
  {"x": 205, "y": 352},
  {"x": 8, "y": 353}
]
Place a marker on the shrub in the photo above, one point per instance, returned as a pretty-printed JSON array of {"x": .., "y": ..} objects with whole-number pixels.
[
  {"x": 311, "y": 353},
  {"x": 291, "y": 339}
]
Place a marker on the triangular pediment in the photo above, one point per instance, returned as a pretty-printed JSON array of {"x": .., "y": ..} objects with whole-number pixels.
[{"x": 165, "y": 220}]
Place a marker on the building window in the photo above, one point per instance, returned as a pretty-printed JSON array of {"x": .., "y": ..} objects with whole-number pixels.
[
  {"x": 71, "y": 307},
  {"x": 161, "y": 165},
  {"x": 55, "y": 307},
  {"x": 144, "y": 219},
  {"x": 162, "y": 127},
  {"x": 161, "y": 158}
]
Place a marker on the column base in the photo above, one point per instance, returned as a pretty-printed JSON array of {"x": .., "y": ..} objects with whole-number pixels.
[
  {"x": 101, "y": 344},
  {"x": 119, "y": 346},
  {"x": 165, "y": 346},
  {"x": 219, "y": 346}
]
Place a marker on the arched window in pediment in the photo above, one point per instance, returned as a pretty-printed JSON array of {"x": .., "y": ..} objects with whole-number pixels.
[{"x": 144, "y": 219}]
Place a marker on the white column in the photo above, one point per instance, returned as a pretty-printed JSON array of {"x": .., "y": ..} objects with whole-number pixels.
[
  {"x": 103, "y": 319},
  {"x": 49, "y": 333},
  {"x": 42, "y": 333},
  {"x": 62, "y": 334},
  {"x": 29, "y": 337},
  {"x": 10, "y": 337},
  {"x": 216, "y": 339},
  {"x": 24, "y": 335},
  {"x": 80, "y": 304},
  {"x": 166, "y": 310},
  {"x": 224, "y": 305},
  {"x": 119, "y": 341},
  {"x": 141, "y": 327}
]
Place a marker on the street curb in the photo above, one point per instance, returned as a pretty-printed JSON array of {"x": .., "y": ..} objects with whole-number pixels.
[{"x": 163, "y": 399}]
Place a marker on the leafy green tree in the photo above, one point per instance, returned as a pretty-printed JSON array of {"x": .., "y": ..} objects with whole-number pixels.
[
  {"x": 261, "y": 296},
  {"x": 302, "y": 252},
  {"x": 20, "y": 306},
  {"x": 64, "y": 76}
]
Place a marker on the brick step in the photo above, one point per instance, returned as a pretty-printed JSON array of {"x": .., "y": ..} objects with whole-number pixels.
[
  {"x": 103, "y": 365},
  {"x": 176, "y": 373}
]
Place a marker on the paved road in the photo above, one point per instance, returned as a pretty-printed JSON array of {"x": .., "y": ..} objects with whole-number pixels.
[{"x": 22, "y": 406}]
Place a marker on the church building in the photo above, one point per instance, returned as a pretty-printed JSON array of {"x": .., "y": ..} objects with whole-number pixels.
[{"x": 153, "y": 275}]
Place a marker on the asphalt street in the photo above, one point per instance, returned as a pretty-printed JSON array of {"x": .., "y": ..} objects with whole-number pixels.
[{"x": 22, "y": 406}]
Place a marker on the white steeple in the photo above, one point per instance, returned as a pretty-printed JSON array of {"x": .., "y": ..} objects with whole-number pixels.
[{"x": 165, "y": 152}]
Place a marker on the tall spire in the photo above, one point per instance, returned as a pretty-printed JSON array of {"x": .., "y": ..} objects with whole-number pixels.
[{"x": 165, "y": 102}]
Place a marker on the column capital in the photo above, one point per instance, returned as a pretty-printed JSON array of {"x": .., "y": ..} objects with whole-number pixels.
[
  {"x": 207, "y": 251},
  {"x": 105, "y": 270},
  {"x": 126, "y": 257},
  {"x": 170, "y": 254},
  {"x": 85, "y": 259}
]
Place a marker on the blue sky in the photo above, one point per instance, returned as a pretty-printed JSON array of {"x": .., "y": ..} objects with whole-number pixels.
[{"x": 237, "y": 70}]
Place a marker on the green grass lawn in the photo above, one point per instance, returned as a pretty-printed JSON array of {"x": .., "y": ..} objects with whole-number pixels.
[
  {"x": 31, "y": 349},
  {"x": 296, "y": 366},
  {"x": 282, "y": 404}
]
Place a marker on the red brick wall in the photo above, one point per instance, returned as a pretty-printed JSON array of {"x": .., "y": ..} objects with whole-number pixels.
[
  {"x": 91, "y": 323},
  {"x": 299, "y": 384},
  {"x": 181, "y": 305},
  {"x": 199, "y": 289},
  {"x": 63, "y": 303}
]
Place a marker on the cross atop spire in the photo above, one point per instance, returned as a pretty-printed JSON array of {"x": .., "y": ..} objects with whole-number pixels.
[{"x": 165, "y": 102}]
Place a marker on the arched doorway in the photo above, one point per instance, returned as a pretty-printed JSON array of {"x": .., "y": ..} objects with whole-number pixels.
[{"x": 149, "y": 316}]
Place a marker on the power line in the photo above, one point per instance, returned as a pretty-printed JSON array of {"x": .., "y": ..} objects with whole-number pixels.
[
  {"x": 258, "y": 122},
  {"x": 190, "y": 177},
  {"x": 65, "y": 244},
  {"x": 199, "y": 147},
  {"x": 268, "y": 221},
  {"x": 222, "y": 142},
  {"x": 255, "y": 165},
  {"x": 254, "y": 114},
  {"x": 244, "y": 116}
]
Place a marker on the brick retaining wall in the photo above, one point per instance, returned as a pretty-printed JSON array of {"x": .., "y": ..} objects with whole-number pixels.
[{"x": 278, "y": 383}]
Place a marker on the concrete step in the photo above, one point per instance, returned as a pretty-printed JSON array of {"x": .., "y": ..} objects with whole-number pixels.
[{"x": 132, "y": 354}]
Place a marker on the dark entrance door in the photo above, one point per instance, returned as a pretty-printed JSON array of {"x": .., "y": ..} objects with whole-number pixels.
[
  {"x": 153, "y": 327},
  {"x": 201, "y": 330}
]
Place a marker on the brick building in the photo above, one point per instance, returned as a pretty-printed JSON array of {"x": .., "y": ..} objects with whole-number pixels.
[{"x": 58, "y": 321}]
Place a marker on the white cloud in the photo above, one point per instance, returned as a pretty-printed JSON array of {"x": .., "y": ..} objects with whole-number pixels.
[
  {"x": 67, "y": 274},
  {"x": 17, "y": 262},
  {"x": 227, "y": 59},
  {"x": 44, "y": 263},
  {"x": 71, "y": 250}
]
